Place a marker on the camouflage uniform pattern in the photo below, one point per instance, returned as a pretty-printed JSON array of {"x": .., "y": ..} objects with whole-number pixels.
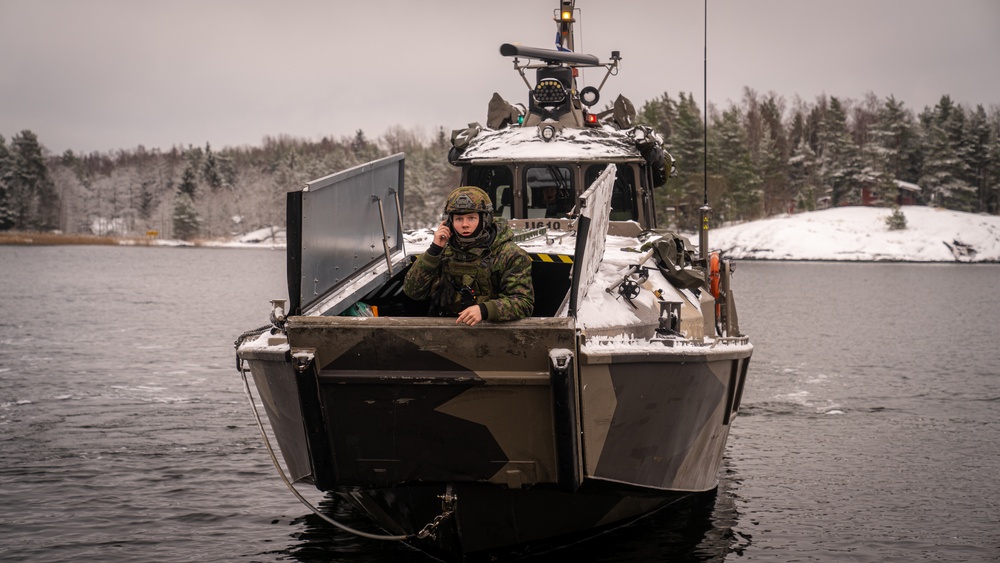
[
  {"x": 403, "y": 407},
  {"x": 506, "y": 291}
]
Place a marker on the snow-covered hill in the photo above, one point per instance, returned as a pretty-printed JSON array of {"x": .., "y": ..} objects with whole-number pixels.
[
  {"x": 842, "y": 233},
  {"x": 861, "y": 234}
]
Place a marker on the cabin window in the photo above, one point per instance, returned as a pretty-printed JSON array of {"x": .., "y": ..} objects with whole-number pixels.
[
  {"x": 623, "y": 206},
  {"x": 498, "y": 182},
  {"x": 548, "y": 191}
]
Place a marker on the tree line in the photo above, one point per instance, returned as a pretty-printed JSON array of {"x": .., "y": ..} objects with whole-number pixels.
[
  {"x": 199, "y": 192},
  {"x": 765, "y": 157}
]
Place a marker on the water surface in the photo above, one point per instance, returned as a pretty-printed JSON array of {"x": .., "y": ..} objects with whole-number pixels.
[{"x": 868, "y": 432}]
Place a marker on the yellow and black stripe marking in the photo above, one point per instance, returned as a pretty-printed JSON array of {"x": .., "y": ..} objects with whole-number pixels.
[{"x": 556, "y": 258}]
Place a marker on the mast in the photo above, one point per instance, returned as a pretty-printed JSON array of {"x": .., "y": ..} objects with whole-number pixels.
[
  {"x": 706, "y": 209},
  {"x": 565, "y": 40},
  {"x": 564, "y": 18}
]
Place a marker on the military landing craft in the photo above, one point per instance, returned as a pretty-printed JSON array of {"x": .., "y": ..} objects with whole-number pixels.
[{"x": 613, "y": 400}]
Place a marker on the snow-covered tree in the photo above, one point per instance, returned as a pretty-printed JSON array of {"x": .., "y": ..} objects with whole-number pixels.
[
  {"x": 898, "y": 140},
  {"x": 660, "y": 114},
  {"x": 7, "y": 216},
  {"x": 945, "y": 169},
  {"x": 772, "y": 156},
  {"x": 993, "y": 170},
  {"x": 186, "y": 221},
  {"x": 896, "y": 221},
  {"x": 189, "y": 182},
  {"x": 429, "y": 178},
  {"x": 729, "y": 153},
  {"x": 803, "y": 179},
  {"x": 803, "y": 164},
  {"x": 31, "y": 194},
  {"x": 841, "y": 168},
  {"x": 681, "y": 124},
  {"x": 977, "y": 155}
]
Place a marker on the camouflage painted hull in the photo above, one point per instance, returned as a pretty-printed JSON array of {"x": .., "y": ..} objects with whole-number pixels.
[
  {"x": 496, "y": 521},
  {"x": 537, "y": 435}
]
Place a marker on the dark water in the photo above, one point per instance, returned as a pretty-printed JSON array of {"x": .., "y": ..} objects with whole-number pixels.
[{"x": 870, "y": 430}]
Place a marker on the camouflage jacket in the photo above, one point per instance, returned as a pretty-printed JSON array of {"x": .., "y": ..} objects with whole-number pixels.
[{"x": 499, "y": 276}]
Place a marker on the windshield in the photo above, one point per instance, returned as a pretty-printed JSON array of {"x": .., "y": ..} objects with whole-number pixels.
[
  {"x": 623, "y": 206},
  {"x": 548, "y": 190},
  {"x": 497, "y": 181}
]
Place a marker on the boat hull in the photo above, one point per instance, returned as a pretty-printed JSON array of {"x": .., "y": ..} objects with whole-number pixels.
[
  {"x": 490, "y": 520},
  {"x": 660, "y": 418},
  {"x": 537, "y": 436}
]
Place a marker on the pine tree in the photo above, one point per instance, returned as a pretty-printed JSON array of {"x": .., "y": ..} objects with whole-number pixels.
[
  {"x": 740, "y": 193},
  {"x": 681, "y": 125},
  {"x": 364, "y": 151},
  {"x": 993, "y": 170},
  {"x": 945, "y": 168},
  {"x": 687, "y": 147},
  {"x": 31, "y": 192},
  {"x": 802, "y": 165},
  {"x": 660, "y": 114},
  {"x": 211, "y": 169},
  {"x": 840, "y": 159},
  {"x": 753, "y": 123},
  {"x": 977, "y": 142},
  {"x": 772, "y": 157},
  {"x": 896, "y": 140},
  {"x": 896, "y": 221},
  {"x": 7, "y": 215},
  {"x": 186, "y": 221},
  {"x": 147, "y": 198},
  {"x": 803, "y": 179},
  {"x": 814, "y": 125},
  {"x": 189, "y": 183}
]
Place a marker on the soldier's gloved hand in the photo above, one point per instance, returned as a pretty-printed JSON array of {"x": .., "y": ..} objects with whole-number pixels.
[
  {"x": 470, "y": 316},
  {"x": 442, "y": 234}
]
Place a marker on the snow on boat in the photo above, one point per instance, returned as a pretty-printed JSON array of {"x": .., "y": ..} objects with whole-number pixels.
[{"x": 614, "y": 399}]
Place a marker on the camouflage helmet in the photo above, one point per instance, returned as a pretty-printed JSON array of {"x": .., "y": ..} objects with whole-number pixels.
[{"x": 470, "y": 199}]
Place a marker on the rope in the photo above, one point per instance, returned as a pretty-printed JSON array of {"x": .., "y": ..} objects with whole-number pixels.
[
  {"x": 248, "y": 334},
  {"x": 244, "y": 336},
  {"x": 281, "y": 472}
]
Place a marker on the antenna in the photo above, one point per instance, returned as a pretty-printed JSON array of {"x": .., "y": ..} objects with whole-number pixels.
[{"x": 706, "y": 210}]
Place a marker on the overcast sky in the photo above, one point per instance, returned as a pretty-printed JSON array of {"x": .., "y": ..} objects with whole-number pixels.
[{"x": 101, "y": 75}]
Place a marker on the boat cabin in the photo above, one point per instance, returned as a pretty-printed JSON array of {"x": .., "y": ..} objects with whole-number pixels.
[{"x": 548, "y": 190}]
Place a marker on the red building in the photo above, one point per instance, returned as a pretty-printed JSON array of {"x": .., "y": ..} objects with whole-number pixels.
[{"x": 906, "y": 194}]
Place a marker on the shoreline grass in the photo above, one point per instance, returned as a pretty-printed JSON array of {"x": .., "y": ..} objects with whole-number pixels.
[{"x": 52, "y": 239}]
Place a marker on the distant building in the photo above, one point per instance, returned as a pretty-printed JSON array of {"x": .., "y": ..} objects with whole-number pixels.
[{"x": 906, "y": 194}]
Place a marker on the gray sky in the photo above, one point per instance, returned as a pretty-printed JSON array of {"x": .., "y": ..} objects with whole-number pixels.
[{"x": 100, "y": 75}]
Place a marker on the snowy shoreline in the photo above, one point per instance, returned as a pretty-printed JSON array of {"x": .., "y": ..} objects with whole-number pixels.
[
  {"x": 842, "y": 234},
  {"x": 860, "y": 234}
]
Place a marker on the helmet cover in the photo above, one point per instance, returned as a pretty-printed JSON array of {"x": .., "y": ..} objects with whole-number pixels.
[{"x": 470, "y": 199}]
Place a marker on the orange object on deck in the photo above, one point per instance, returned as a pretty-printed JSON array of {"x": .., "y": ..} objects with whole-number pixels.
[{"x": 713, "y": 274}]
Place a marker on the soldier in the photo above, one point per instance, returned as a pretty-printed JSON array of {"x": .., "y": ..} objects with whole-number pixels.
[{"x": 475, "y": 272}]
